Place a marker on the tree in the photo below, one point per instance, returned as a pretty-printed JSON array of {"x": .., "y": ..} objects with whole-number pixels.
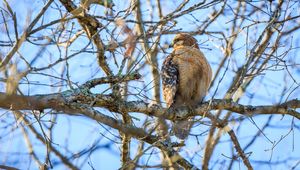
[{"x": 62, "y": 109}]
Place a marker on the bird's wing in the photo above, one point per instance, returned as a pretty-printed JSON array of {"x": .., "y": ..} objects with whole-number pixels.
[
  {"x": 170, "y": 79},
  {"x": 194, "y": 75}
]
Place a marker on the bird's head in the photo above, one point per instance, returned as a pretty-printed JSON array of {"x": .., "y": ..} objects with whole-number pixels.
[{"x": 184, "y": 39}]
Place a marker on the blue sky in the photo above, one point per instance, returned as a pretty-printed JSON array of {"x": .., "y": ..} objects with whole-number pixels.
[{"x": 78, "y": 132}]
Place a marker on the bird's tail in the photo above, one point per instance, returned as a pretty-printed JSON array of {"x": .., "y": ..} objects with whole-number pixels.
[{"x": 182, "y": 128}]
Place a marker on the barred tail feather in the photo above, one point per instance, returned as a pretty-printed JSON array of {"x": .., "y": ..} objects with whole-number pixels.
[{"x": 182, "y": 128}]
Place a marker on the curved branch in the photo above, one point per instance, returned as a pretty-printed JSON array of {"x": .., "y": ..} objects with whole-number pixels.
[{"x": 90, "y": 25}]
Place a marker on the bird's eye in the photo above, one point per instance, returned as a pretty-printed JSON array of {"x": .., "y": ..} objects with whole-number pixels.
[{"x": 175, "y": 41}]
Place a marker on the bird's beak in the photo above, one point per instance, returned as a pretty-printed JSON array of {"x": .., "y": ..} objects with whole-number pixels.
[{"x": 171, "y": 45}]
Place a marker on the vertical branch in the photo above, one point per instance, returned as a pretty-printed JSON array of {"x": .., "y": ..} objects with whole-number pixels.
[
  {"x": 210, "y": 143},
  {"x": 150, "y": 56},
  {"x": 30, "y": 148},
  {"x": 126, "y": 162},
  {"x": 125, "y": 151}
]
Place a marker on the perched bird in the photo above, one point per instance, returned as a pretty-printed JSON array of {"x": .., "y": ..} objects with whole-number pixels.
[{"x": 186, "y": 76}]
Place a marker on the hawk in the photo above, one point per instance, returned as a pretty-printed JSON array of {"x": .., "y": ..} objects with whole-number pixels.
[{"x": 186, "y": 76}]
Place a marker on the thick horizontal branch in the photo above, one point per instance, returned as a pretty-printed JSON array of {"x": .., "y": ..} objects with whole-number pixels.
[
  {"x": 59, "y": 101},
  {"x": 288, "y": 108}
]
